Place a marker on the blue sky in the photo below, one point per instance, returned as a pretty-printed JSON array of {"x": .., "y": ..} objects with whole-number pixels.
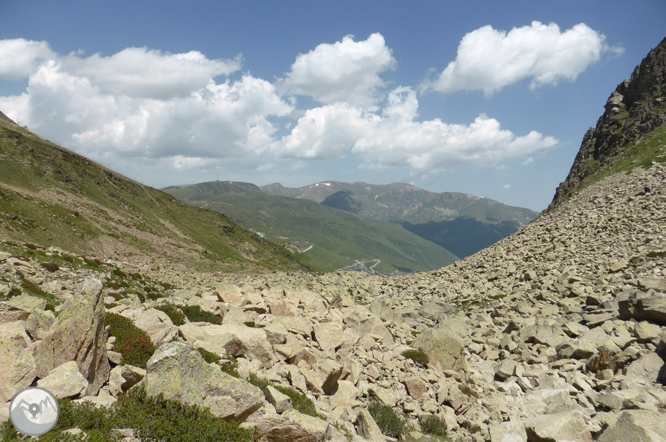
[{"x": 472, "y": 97}]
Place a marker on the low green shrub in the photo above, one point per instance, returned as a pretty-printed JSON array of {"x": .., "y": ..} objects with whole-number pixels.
[
  {"x": 152, "y": 418},
  {"x": 259, "y": 382},
  {"x": 418, "y": 356},
  {"x": 112, "y": 285},
  {"x": 208, "y": 356},
  {"x": 51, "y": 266},
  {"x": 432, "y": 424},
  {"x": 174, "y": 313},
  {"x": 387, "y": 420},
  {"x": 195, "y": 314},
  {"x": 230, "y": 369},
  {"x": 154, "y": 296},
  {"x": 116, "y": 296},
  {"x": 119, "y": 273},
  {"x": 92, "y": 262},
  {"x": 132, "y": 342},
  {"x": 300, "y": 402}
]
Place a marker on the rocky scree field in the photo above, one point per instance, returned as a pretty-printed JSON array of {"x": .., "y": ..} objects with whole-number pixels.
[{"x": 555, "y": 333}]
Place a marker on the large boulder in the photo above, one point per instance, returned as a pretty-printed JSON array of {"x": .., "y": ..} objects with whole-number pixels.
[
  {"x": 64, "y": 381},
  {"x": 436, "y": 309},
  {"x": 367, "y": 427},
  {"x": 124, "y": 377},
  {"x": 567, "y": 426},
  {"x": 646, "y": 368},
  {"x": 329, "y": 335},
  {"x": 292, "y": 426},
  {"x": 442, "y": 347},
  {"x": 157, "y": 325},
  {"x": 636, "y": 426},
  {"x": 39, "y": 322},
  {"x": 181, "y": 374},
  {"x": 27, "y": 303},
  {"x": 79, "y": 334},
  {"x": 644, "y": 306},
  {"x": 232, "y": 339},
  {"x": 17, "y": 366}
]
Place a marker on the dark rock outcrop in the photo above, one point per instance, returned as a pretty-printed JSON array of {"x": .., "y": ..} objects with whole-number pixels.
[{"x": 636, "y": 109}]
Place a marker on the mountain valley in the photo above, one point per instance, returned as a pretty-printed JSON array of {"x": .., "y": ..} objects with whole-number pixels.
[{"x": 556, "y": 333}]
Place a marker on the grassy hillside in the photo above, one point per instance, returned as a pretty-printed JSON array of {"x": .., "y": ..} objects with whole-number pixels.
[
  {"x": 338, "y": 238},
  {"x": 52, "y": 196}
]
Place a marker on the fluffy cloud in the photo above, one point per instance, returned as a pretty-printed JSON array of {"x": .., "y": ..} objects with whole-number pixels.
[
  {"x": 346, "y": 71},
  {"x": 19, "y": 58},
  {"x": 139, "y": 72},
  {"x": 148, "y": 104},
  {"x": 397, "y": 140},
  {"x": 149, "y": 111},
  {"x": 489, "y": 59}
]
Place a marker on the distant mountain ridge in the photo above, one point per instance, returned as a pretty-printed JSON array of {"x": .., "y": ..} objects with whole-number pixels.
[
  {"x": 459, "y": 222},
  {"x": 333, "y": 238}
]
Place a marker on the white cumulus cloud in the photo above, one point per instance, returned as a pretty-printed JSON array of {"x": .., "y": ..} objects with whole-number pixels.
[
  {"x": 490, "y": 59},
  {"x": 20, "y": 58},
  {"x": 397, "y": 140},
  {"x": 140, "y": 72},
  {"x": 148, "y": 104},
  {"x": 343, "y": 71}
]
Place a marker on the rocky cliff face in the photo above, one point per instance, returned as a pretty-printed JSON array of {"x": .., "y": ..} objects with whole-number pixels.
[{"x": 635, "y": 110}]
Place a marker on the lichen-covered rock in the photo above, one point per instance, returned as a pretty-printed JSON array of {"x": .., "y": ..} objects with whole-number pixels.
[
  {"x": 65, "y": 381},
  {"x": 79, "y": 334},
  {"x": 124, "y": 377},
  {"x": 27, "y": 303},
  {"x": 181, "y": 374},
  {"x": 367, "y": 427},
  {"x": 442, "y": 347},
  {"x": 17, "y": 366},
  {"x": 157, "y": 325},
  {"x": 39, "y": 322},
  {"x": 232, "y": 339},
  {"x": 280, "y": 401}
]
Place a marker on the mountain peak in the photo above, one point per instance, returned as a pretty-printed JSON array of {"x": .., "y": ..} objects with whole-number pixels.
[{"x": 633, "y": 112}]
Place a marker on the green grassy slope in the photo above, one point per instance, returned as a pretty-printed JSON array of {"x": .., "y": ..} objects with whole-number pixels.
[
  {"x": 642, "y": 154},
  {"x": 338, "y": 237},
  {"x": 461, "y": 223},
  {"x": 52, "y": 196}
]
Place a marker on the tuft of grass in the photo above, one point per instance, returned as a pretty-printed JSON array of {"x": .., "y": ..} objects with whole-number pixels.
[
  {"x": 132, "y": 342},
  {"x": 152, "y": 418},
  {"x": 418, "y": 356},
  {"x": 387, "y": 419},
  {"x": 174, "y": 313},
  {"x": 195, "y": 314},
  {"x": 432, "y": 424}
]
